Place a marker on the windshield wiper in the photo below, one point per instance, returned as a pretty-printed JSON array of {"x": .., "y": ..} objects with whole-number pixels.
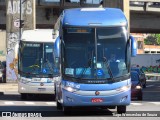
[
  {"x": 49, "y": 65},
  {"x": 34, "y": 66},
  {"x": 27, "y": 74},
  {"x": 108, "y": 67}
]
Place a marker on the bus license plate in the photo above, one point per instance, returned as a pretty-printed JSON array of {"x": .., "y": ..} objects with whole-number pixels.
[
  {"x": 96, "y": 100},
  {"x": 41, "y": 89}
]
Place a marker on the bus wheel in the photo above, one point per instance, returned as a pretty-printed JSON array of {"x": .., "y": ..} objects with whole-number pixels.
[
  {"x": 4, "y": 79},
  {"x": 140, "y": 97},
  {"x": 59, "y": 106},
  {"x": 121, "y": 109},
  {"x": 23, "y": 96},
  {"x": 66, "y": 110},
  {"x": 55, "y": 94}
]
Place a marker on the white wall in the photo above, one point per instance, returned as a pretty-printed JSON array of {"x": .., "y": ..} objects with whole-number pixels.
[{"x": 146, "y": 60}]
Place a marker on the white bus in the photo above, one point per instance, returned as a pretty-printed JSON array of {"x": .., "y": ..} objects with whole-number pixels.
[{"x": 36, "y": 73}]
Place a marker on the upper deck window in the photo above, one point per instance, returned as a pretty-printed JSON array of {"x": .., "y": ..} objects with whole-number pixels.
[{"x": 75, "y": 1}]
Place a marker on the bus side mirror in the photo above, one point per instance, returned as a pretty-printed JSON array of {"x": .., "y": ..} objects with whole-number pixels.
[
  {"x": 133, "y": 46},
  {"x": 54, "y": 34},
  {"x": 56, "y": 68},
  {"x": 57, "y": 56}
]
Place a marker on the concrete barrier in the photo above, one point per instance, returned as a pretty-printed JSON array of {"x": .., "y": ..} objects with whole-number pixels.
[{"x": 153, "y": 76}]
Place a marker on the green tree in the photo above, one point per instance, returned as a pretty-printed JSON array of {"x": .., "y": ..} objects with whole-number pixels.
[
  {"x": 152, "y": 39},
  {"x": 157, "y": 36}
]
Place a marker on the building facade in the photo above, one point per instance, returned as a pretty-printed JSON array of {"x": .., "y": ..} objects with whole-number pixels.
[
  {"x": 145, "y": 49},
  {"x": 30, "y": 14}
]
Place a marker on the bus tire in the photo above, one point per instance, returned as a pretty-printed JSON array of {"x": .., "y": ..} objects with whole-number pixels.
[
  {"x": 59, "y": 106},
  {"x": 66, "y": 110},
  {"x": 140, "y": 98},
  {"x": 4, "y": 79},
  {"x": 23, "y": 96},
  {"x": 121, "y": 109},
  {"x": 55, "y": 95}
]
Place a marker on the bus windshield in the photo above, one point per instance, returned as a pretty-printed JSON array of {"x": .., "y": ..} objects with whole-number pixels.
[
  {"x": 95, "y": 53},
  {"x": 36, "y": 59}
]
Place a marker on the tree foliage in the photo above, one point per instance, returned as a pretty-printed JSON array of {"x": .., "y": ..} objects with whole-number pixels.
[
  {"x": 157, "y": 38},
  {"x": 153, "y": 39}
]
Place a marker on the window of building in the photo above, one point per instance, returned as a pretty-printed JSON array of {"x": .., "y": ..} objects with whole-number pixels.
[
  {"x": 140, "y": 44},
  {"x": 153, "y": 51},
  {"x": 2, "y": 2},
  {"x": 146, "y": 52},
  {"x": 49, "y": 2},
  {"x": 92, "y": 1},
  {"x": 73, "y": 1},
  {"x": 158, "y": 52}
]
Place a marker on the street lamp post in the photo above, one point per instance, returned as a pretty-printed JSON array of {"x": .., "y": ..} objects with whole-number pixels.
[{"x": 20, "y": 21}]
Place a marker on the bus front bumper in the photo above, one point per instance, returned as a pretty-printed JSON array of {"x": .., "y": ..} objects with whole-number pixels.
[
  {"x": 36, "y": 88},
  {"x": 72, "y": 99}
]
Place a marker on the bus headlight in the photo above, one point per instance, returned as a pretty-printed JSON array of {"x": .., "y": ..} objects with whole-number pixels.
[
  {"x": 69, "y": 89},
  {"x": 50, "y": 80},
  {"x": 25, "y": 80},
  {"x": 124, "y": 88}
]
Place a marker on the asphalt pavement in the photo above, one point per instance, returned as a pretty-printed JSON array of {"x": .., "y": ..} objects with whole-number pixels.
[
  {"x": 10, "y": 87},
  {"x": 11, "y": 101}
]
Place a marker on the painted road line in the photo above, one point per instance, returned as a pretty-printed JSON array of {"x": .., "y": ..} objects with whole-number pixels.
[
  {"x": 149, "y": 85},
  {"x": 29, "y": 103},
  {"x": 9, "y": 103},
  {"x": 156, "y": 103},
  {"x": 152, "y": 91},
  {"x": 51, "y": 103},
  {"x": 136, "y": 104}
]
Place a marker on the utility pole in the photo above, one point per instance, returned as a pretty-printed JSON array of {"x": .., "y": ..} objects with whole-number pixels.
[
  {"x": 20, "y": 16},
  {"x": 20, "y": 21},
  {"x": 34, "y": 14}
]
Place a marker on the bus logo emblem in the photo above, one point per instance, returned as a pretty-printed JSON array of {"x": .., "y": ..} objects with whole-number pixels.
[
  {"x": 41, "y": 84},
  {"x": 97, "y": 93}
]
